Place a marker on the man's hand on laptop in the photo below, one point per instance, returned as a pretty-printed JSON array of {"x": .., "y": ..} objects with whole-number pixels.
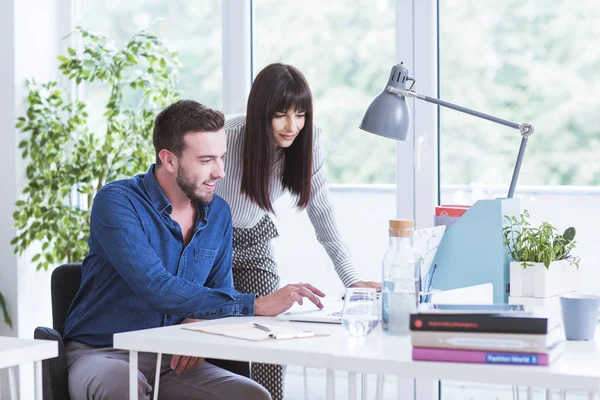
[
  {"x": 366, "y": 284},
  {"x": 182, "y": 363},
  {"x": 281, "y": 300}
]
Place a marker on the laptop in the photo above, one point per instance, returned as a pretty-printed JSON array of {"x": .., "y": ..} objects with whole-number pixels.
[
  {"x": 425, "y": 242},
  {"x": 331, "y": 313}
]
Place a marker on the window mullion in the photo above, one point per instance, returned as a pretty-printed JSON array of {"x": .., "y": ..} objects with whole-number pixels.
[{"x": 237, "y": 54}]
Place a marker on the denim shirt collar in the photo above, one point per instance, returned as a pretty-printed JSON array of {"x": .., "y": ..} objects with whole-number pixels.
[
  {"x": 162, "y": 203},
  {"x": 155, "y": 192}
]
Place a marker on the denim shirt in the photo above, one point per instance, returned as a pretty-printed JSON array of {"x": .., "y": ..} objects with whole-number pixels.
[{"x": 139, "y": 274}]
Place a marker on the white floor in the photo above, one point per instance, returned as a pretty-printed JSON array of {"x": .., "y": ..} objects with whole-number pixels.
[{"x": 451, "y": 390}]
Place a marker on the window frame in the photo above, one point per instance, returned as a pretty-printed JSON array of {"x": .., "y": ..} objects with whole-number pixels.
[{"x": 418, "y": 163}]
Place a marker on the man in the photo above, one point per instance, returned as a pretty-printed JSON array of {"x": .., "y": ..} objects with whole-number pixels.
[{"x": 160, "y": 254}]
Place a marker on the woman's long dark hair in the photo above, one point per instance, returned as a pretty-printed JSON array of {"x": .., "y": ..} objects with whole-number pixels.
[{"x": 277, "y": 88}]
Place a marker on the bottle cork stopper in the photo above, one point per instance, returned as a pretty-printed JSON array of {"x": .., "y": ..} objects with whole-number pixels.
[
  {"x": 401, "y": 224},
  {"x": 401, "y": 227}
]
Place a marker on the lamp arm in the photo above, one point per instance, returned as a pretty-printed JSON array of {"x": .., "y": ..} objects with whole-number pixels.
[
  {"x": 517, "y": 170},
  {"x": 525, "y": 129}
]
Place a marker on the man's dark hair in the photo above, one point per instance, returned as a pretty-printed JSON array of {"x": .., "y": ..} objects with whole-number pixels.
[{"x": 180, "y": 118}]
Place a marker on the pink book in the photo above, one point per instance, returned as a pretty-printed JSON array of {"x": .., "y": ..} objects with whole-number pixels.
[{"x": 484, "y": 356}]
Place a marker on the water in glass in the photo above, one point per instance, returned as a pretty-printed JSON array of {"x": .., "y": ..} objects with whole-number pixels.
[{"x": 361, "y": 311}]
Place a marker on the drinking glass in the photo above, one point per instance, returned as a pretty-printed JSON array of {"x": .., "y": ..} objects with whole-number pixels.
[{"x": 361, "y": 311}]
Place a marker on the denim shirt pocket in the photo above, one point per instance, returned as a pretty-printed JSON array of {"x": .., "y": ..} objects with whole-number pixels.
[{"x": 203, "y": 263}]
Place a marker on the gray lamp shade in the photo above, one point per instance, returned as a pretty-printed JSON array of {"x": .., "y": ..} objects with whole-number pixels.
[{"x": 388, "y": 114}]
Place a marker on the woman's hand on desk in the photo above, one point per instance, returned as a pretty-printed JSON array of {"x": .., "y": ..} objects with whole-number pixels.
[
  {"x": 366, "y": 284},
  {"x": 281, "y": 300}
]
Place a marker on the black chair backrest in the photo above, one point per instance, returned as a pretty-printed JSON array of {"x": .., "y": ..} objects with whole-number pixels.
[{"x": 64, "y": 284}]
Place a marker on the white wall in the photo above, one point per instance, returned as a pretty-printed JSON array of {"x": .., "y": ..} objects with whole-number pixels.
[
  {"x": 8, "y": 180},
  {"x": 30, "y": 32}
]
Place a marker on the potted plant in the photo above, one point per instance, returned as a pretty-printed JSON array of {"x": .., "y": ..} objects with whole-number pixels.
[
  {"x": 542, "y": 265},
  {"x": 67, "y": 161}
]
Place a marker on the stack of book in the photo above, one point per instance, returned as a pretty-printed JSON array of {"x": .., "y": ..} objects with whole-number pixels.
[{"x": 494, "y": 334}]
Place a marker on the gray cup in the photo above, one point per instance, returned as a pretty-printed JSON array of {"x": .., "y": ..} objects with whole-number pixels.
[{"x": 580, "y": 316}]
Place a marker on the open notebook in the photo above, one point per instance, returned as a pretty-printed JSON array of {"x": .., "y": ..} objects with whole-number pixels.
[{"x": 248, "y": 331}]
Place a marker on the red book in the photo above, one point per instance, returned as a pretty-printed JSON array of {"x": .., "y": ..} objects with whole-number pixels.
[{"x": 451, "y": 210}]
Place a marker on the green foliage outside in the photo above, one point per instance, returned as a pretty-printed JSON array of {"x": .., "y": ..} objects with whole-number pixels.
[
  {"x": 346, "y": 53},
  {"x": 532, "y": 61},
  {"x": 528, "y": 244}
]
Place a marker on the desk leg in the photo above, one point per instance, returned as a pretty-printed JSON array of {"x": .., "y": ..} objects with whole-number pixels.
[
  {"x": 548, "y": 394},
  {"x": 157, "y": 376},
  {"x": 379, "y": 389},
  {"x": 592, "y": 396},
  {"x": 529, "y": 393},
  {"x": 427, "y": 389},
  {"x": 133, "y": 373},
  {"x": 352, "y": 386},
  {"x": 330, "y": 385},
  {"x": 405, "y": 388},
  {"x": 364, "y": 387},
  {"x": 305, "y": 373},
  {"x": 12, "y": 383},
  {"x": 37, "y": 376},
  {"x": 515, "y": 393},
  {"x": 418, "y": 389}
]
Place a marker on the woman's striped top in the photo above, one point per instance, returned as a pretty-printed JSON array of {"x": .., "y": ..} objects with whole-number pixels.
[{"x": 246, "y": 214}]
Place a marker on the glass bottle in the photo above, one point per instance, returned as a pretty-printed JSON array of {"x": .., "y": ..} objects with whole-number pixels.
[{"x": 401, "y": 276}]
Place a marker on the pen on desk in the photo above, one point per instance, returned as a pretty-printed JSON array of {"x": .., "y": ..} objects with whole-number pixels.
[
  {"x": 303, "y": 334},
  {"x": 262, "y": 327}
]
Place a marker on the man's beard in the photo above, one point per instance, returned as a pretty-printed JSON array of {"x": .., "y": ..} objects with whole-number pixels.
[{"x": 190, "y": 189}]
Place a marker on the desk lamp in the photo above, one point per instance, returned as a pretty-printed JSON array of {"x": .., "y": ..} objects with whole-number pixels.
[
  {"x": 472, "y": 251},
  {"x": 388, "y": 115}
]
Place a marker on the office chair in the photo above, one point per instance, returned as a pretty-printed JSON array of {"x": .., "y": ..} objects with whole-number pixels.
[{"x": 64, "y": 284}]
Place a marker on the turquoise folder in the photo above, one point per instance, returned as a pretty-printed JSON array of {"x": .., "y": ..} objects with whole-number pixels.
[{"x": 472, "y": 251}]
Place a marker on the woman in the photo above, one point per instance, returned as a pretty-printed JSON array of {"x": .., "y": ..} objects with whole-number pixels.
[{"x": 273, "y": 149}]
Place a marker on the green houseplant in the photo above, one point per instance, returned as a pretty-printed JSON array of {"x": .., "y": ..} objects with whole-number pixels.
[
  {"x": 543, "y": 264},
  {"x": 544, "y": 244},
  {"x": 68, "y": 160}
]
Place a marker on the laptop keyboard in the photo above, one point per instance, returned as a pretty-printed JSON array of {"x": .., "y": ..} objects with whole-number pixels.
[{"x": 361, "y": 309}]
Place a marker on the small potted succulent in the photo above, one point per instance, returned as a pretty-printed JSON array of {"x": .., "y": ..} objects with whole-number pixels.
[{"x": 542, "y": 265}]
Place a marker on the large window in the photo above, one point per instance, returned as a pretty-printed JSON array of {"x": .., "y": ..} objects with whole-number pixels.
[
  {"x": 537, "y": 62},
  {"x": 532, "y": 61},
  {"x": 192, "y": 28},
  {"x": 344, "y": 49}
]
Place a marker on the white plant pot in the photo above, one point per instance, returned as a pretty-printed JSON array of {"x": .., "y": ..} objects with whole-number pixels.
[{"x": 538, "y": 281}]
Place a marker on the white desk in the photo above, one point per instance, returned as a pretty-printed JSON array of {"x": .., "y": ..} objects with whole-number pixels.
[
  {"x": 15, "y": 351},
  {"x": 577, "y": 369}
]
